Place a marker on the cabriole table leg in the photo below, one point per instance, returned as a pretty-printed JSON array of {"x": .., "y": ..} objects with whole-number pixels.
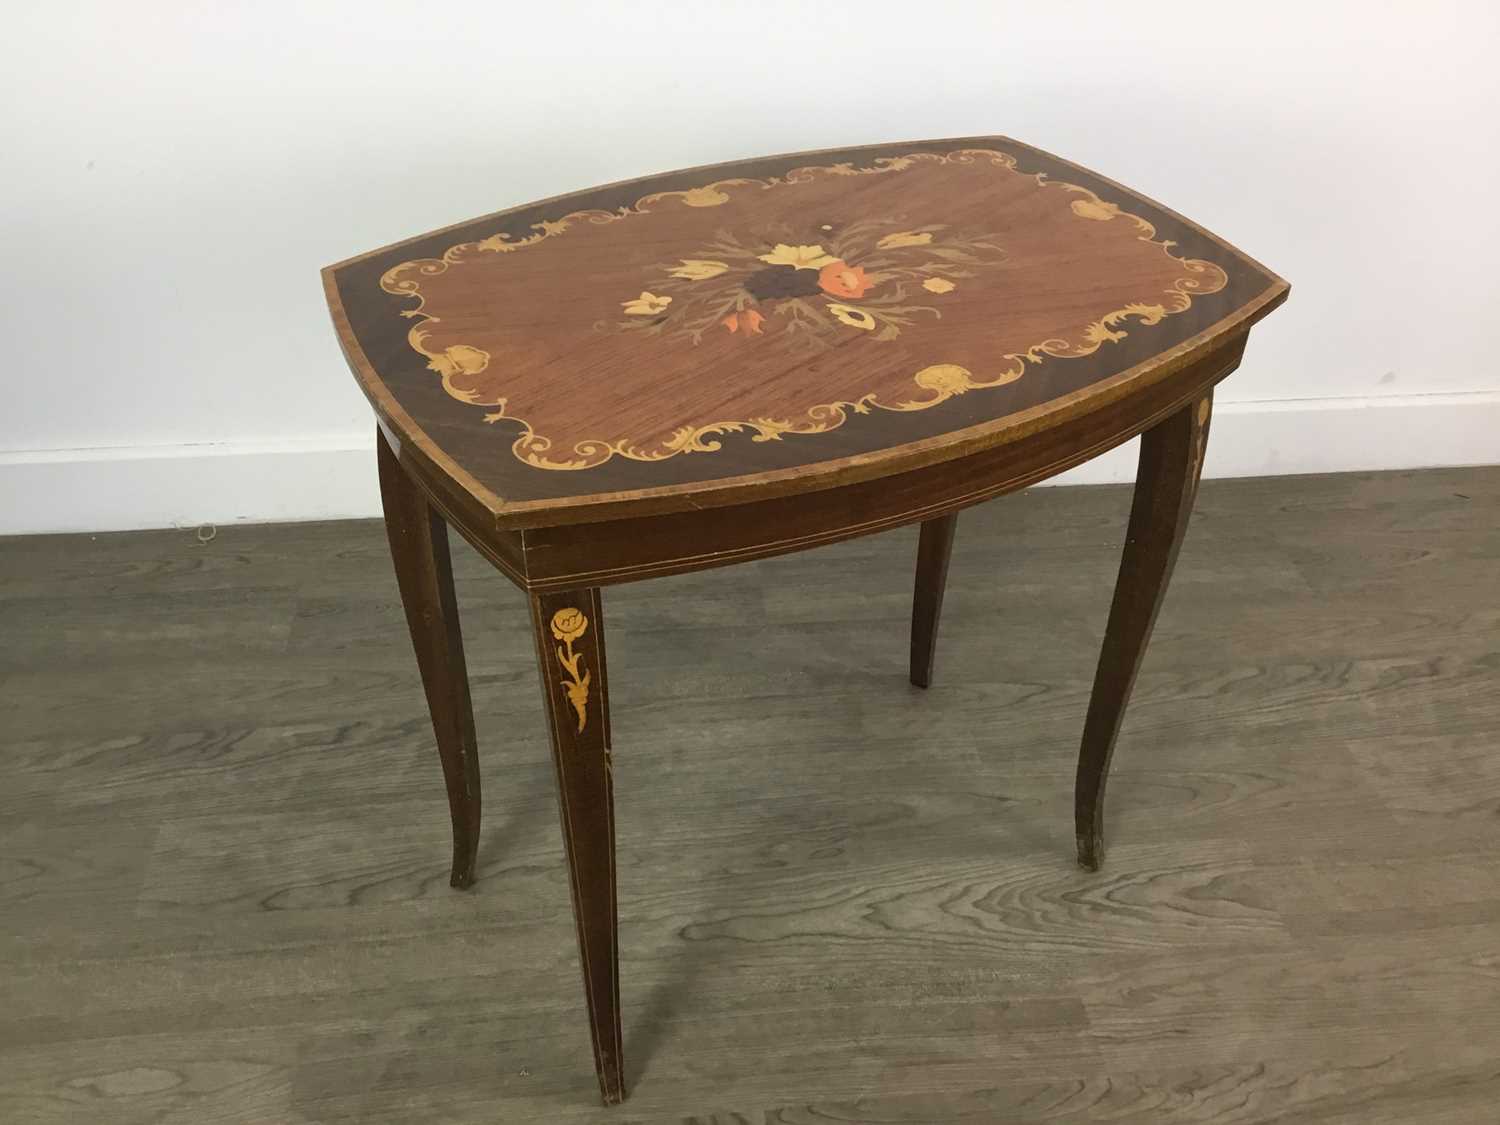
[
  {"x": 1166, "y": 483},
  {"x": 419, "y": 549},
  {"x": 934, "y": 547}
]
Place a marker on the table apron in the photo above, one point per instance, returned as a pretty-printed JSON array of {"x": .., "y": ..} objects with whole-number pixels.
[{"x": 627, "y": 550}]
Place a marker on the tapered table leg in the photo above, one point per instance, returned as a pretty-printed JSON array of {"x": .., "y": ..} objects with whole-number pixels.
[
  {"x": 1166, "y": 483},
  {"x": 424, "y": 572},
  {"x": 934, "y": 548},
  {"x": 570, "y": 649}
]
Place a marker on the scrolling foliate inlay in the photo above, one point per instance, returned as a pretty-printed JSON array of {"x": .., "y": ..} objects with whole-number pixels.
[{"x": 880, "y": 280}]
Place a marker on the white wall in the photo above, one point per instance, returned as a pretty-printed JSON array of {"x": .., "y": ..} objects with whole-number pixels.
[{"x": 175, "y": 175}]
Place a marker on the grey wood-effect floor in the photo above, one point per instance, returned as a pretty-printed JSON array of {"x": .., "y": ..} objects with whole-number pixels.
[{"x": 224, "y": 842}]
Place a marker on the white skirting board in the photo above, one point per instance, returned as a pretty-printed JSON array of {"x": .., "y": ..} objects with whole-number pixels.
[{"x": 117, "y": 489}]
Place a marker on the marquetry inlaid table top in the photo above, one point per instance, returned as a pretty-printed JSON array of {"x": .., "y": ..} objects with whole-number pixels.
[{"x": 722, "y": 334}]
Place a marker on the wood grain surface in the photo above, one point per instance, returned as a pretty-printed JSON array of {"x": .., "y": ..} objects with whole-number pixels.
[
  {"x": 786, "y": 322},
  {"x": 224, "y": 842}
]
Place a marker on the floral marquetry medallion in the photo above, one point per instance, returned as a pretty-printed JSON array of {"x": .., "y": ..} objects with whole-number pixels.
[
  {"x": 776, "y": 313},
  {"x": 869, "y": 277}
]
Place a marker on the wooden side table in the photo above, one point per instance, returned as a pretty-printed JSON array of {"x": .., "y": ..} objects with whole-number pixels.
[{"x": 725, "y": 363}]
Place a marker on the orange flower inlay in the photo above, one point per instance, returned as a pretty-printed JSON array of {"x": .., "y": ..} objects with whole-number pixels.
[
  {"x": 843, "y": 280},
  {"x": 749, "y": 320}
]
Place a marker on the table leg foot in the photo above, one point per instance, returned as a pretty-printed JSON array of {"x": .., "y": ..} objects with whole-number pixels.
[
  {"x": 570, "y": 650},
  {"x": 1090, "y": 851},
  {"x": 424, "y": 572},
  {"x": 1166, "y": 484},
  {"x": 934, "y": 548}
]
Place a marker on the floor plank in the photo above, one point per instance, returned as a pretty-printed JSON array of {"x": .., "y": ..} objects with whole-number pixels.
[{"x": 223, "y": 836}]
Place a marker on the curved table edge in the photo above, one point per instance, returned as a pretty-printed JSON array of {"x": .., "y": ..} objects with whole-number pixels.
[{"x": 814, "y": 476}]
